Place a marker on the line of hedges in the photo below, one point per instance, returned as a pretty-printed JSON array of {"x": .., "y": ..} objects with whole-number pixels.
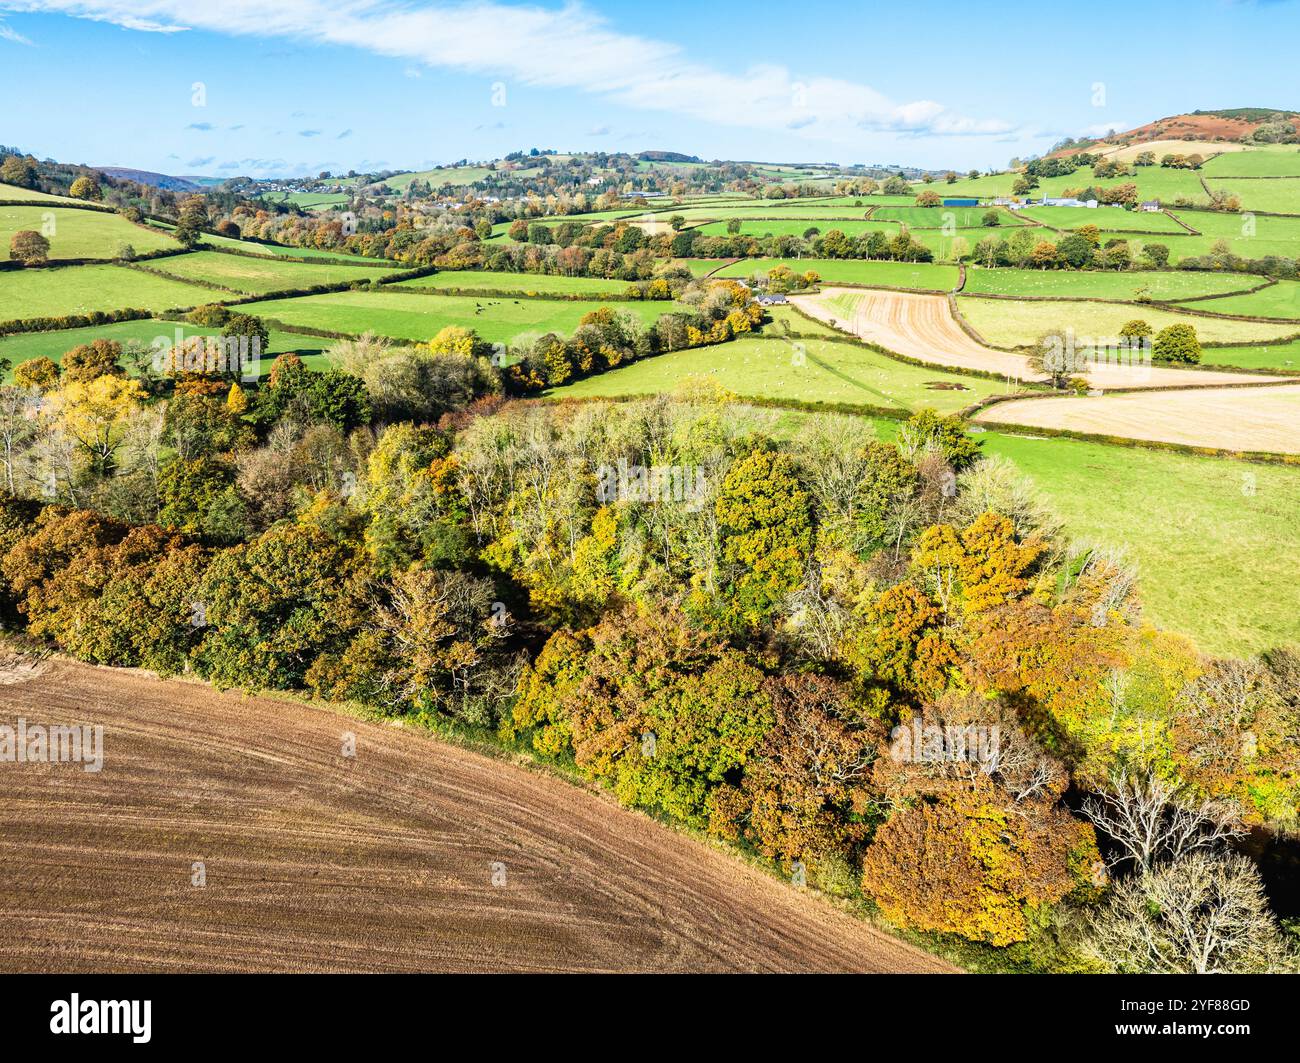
[
  {"x": 316, "y": 261},
  {"x": 496, "y": 293},
  {"x": 852, "y": 408},
  {"x": 70, "y": 321},
  {"x": 58, "y": 263}
]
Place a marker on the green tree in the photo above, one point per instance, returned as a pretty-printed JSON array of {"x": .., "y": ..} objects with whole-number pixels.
[
  {"x": 765, "y": 518},
  {"x": 1177, "y": 343}
]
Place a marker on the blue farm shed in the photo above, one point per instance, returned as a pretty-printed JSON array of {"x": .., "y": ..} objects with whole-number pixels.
[{"x": 961, "y": 202}]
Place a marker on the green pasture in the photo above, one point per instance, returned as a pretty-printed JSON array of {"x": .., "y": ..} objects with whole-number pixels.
[
  {"x": 257, "y": 276},
  {"x": 926, "y": 275},
  {"x": 79, "y": 233},
  {"x": 66, "y": 290},
  {"x": 27, "y": 345},
  {"x": 1161, "y": 285},
  {"x": 419, "y": 317},
  {"x": 805, "y": 370},
  {"x": 1010, "y": 323},
  {"x": 1276, "y": 196},
  {"x": 516, "y": 283}
]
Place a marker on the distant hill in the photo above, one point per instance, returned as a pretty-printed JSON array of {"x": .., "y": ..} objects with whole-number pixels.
[
  {"x": 158, "y": 180},
  {"x": 1233, "y": 125},
  {"x": 667, "y": 156}
]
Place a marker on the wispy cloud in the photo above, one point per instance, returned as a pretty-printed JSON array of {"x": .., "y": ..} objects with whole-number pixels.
[
  {"x": 309, "y": 132},
  {"x": 202, "y": 127},
  {"x": 570, "y": 48},
  {"x": 8, "y": 33}
]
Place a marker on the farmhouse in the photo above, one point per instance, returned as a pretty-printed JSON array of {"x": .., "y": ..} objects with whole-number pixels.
[
  {"x": 771, "y": 299},
  {"x": 1151, "y": 206}
]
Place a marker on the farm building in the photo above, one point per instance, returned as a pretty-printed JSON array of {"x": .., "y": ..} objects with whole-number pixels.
[
  {"x": 1050, "y": 201},
  {"x": 961, "y": 202},
  {"x": 1150, "y": 206}
]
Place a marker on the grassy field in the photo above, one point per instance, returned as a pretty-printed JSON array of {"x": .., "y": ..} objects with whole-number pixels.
[
  {"x": 806, "y": 371},
  {"x": 256, "y": 276},
  {"x": 986, "y": 186},
  {"x": 925, "y": 275},
  {"x": 281, "y": 251},
  {"x": 308, "y": 200},
  {"x": 29, "y": 195},
  {"x": 517, "y": 283},
  {"x": 1278, "y": 300},
  {"x": 1248, "y": 235},
  {"x": 456, "y": 175},
  {"x": 789, "y": 208},
  {"x": 79, "y": 233},
  {"x": 1092, "y": 284},
  {"x": 81, "y": 289},
  {"x": 797, "y": 227},
  {"x": 1214, "y": 539},
  {"x": 945, "y": 247},
  {"x": 1284, "y": 356},
  {"x": 419, "y": 317},
  {"x": 1007, "y": 323},
  {"x": 54, "y": 345},
  {"x": 1283, "y": 160},
  {"x": 1280, "y": 196},
  {"x": 1153, "y": 182},
  {"x": 939, "y": 217},
  {"x": 1111, "y": 219}
]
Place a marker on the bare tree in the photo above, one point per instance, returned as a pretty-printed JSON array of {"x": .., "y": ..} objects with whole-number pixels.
[
  {"x": 18, "y": 425},
  {"x": 1149, "y": 819},
  {"x": 1204, "y": 913}
]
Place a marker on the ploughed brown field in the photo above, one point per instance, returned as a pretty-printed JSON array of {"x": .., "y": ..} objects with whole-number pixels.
[
  {"x": 382, "y": 862},
  {"x": 923, "y": 327}
]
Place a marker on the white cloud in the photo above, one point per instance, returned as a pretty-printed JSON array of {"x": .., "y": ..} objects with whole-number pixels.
[
  {"x": 569, "y": 47},
  {"x": 8, "y": 33}
]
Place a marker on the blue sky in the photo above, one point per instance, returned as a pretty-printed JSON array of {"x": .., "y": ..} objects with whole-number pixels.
[{"x": 304, "y": 85}]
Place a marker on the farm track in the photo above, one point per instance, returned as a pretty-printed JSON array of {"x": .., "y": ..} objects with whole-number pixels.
[
  {"x": 923, "y": 327},
  {"x": 382, "y": 862}
]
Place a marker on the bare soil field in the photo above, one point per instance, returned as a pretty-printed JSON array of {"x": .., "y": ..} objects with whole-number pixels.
[
  {"x": 1263, "y": 419},
  {"x": 923, "y": 327},
  {"x": 385, "y": 861}
]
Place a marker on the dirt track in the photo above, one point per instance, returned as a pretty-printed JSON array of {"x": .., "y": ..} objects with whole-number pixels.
[
  {"x": 1266, "y": 419},
  {"x": 317, "y": 862},
  {"x": 922, "y": 327}
]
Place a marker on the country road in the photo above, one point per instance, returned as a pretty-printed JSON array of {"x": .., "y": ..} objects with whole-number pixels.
[{"x": 413, "y": 855}]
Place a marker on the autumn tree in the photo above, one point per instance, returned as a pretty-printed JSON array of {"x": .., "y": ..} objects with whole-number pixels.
[
  {"x": 765, "y": 518},
  {"x": 807, "y": 793},
  {"x": 37, "y": 374},
  {"x": 29, "y": 247},
  {"x": 86, "y": 187},
  {"x": 972, "y": 865},
  {"x": 87, "y": 361}
]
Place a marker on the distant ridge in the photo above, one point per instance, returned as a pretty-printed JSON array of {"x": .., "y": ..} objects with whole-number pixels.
[{"x": 157, "y": 180}]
